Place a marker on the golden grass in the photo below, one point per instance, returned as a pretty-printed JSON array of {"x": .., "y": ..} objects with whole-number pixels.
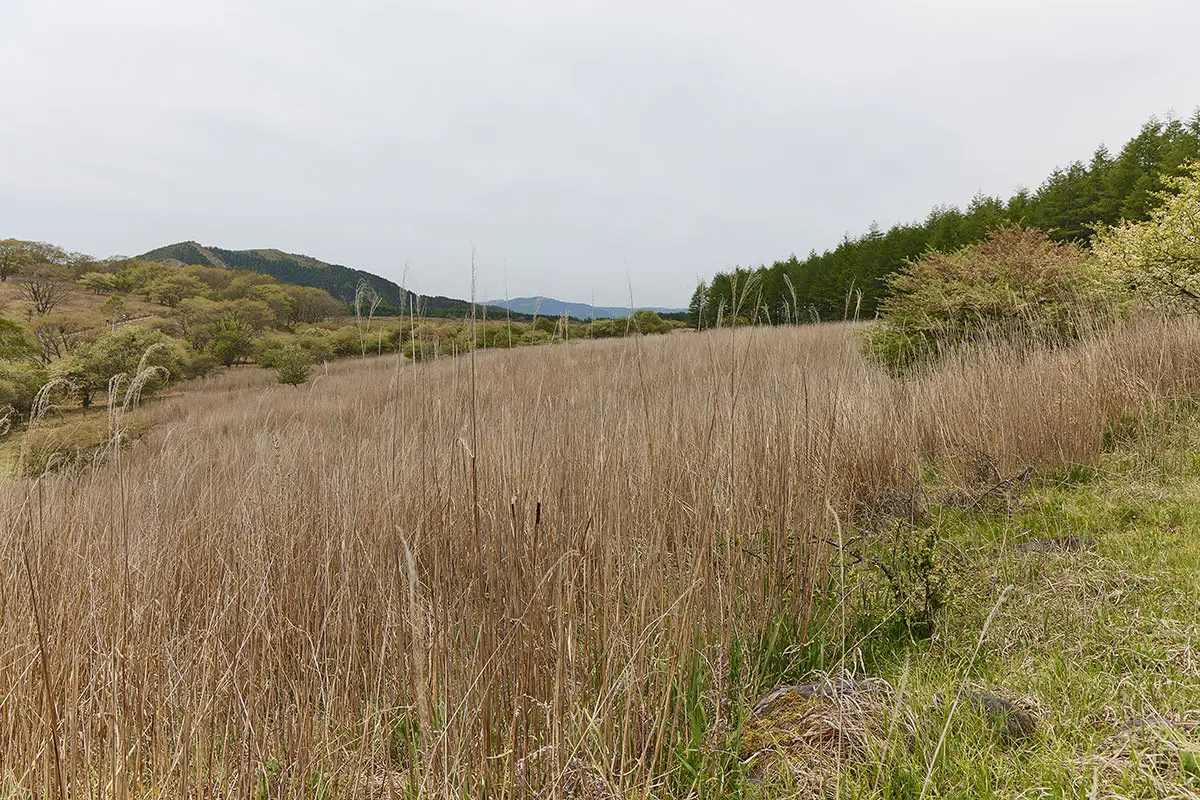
[
  {"x": 354, "y": 588},
  {"x": 79, "y": 303}
]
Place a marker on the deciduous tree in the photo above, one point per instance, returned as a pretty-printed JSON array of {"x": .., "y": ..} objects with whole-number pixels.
[
  {"x": 170, "y": 290},
  {"x": 90, "y": 367},
  {"x": 1160, "y": 257},
  {"x": 44, "y": 286},
  {"x": 14, "y": 257}
]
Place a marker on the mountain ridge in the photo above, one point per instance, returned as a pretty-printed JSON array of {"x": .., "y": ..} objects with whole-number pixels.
[{"x": 296, "y": 268}]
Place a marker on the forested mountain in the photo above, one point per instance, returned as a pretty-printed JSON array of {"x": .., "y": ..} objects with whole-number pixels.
[
  {"x": 1067, "y": 206},
  {"x": 341, "y": 282}
]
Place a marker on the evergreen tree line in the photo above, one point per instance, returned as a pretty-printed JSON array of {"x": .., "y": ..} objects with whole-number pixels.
[{"x": 852, "y": 278}]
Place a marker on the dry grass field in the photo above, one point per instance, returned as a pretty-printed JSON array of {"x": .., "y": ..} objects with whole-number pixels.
[
  {"x": 559, "y": 571},
  {"x": 78, "y": 303}
]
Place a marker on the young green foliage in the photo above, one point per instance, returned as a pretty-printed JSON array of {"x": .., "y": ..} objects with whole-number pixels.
[
  {"x": 90, "y": 367},
  {"x": 1160, "y": 257}
]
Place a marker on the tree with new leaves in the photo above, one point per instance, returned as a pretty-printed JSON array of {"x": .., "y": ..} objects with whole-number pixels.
[
  {"x": 276, "y": 298},
  {"x": 648, "y": 322},
  {"x": 19, "y": 384},
  {"x": 172, "y": 289},
  {"x": 14, "y": 257},
  {"x": 232, "y": 340},
  {"x": 1160, "y": 257},
  {"x": 113, "y": 308},
  {"x": 101, "y": 282},
  {"x": 89, "y": 367},
  {"x": 20, "y": 374},
  {"x": 312, "y": 305}
]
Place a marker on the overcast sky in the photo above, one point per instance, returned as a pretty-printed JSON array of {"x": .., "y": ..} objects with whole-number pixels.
[{"x": 580, "y": 146}]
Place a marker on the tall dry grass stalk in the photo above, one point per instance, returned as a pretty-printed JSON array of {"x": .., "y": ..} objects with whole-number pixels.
[{"x": 369, "y": 588}]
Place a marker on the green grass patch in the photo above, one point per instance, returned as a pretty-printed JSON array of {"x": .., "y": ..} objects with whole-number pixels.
[{"x": 1078, "y": 600}]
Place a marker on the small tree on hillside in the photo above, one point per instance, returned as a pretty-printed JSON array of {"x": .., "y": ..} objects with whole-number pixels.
[
  {"x": 100, "y": 282},
  {"x": 232, "y": 340},
  {"x": 313, "y": 305},
  {"x": 171, "y": 290},
  {"x": 113, "y": 308},
  {"x": 19, "y": 384},
  {"x": 293, "y": 365}
]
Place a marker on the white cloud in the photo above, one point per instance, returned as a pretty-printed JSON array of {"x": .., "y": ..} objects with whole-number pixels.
[{"x": 570, "y": 141}]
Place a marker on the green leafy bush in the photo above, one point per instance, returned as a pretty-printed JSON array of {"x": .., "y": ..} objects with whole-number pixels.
[
  {"x": 193, "y": 363},
  {"x": 649, "y": 322},
  {"x": 128, "y": 351},
  {"x": 345, "y": 342},
  {"x": 293, "y": 365},
  {"x": 1015, "y": 283},
  {"x": 19, "y": 383},
  {"x": 15, "y": 343},
  {"x": 232, "y": 340}
]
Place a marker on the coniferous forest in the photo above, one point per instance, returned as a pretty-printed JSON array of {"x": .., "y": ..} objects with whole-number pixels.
[{"x": 851, "y": 279}]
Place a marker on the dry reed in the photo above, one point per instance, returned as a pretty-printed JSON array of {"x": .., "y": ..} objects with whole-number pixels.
[{"x": 348, "y": 589}]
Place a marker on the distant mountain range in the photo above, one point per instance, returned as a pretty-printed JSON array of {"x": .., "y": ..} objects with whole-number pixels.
[
  {"x": 342, "y": 282},
  {"x": 549, "y": 307}
]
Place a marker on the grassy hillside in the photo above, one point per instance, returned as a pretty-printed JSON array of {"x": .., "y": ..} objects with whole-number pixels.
[{"x": 574, "y": 570}]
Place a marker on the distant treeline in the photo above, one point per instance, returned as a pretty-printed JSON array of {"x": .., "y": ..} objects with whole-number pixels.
[{"x": 852, "y": 278}]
